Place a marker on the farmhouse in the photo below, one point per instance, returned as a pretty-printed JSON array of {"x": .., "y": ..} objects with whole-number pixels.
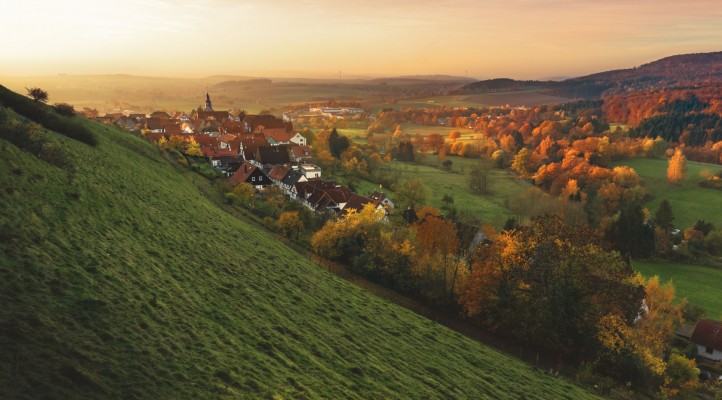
[
  {"x": 707, "y": 335},
  {"x": 249, "y": 173}
]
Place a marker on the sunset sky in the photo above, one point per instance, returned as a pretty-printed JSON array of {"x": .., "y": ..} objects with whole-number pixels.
[{"x": 521, "y": 39}]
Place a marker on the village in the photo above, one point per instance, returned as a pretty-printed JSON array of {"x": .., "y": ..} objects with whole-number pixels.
[{"x": 260, "y": 150}]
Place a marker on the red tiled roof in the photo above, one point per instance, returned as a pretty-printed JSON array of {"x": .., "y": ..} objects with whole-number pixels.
[
  {"x": 172, "y": 129},
  {"x": 707, "y": 333},
  {"x": 356, "y": 202},
  {"x": 266, "y": 121},
  {"x": 279, "y": 172},
  {"x": 279, "y": 135},
  {"x": 251, "y": 145},
  {"x": 226, "y": 138},
  {"x": 300, "y": 151},
  {"x": 160, "y": 115},
  {"x": 154, "y": 123},
  {"x": 217, "y": 115}
]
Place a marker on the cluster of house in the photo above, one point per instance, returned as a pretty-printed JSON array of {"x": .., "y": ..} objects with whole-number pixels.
[{"x": 260, "y": 150}]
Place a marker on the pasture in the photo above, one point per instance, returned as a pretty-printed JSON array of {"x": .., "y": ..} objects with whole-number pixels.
[
  {"x": 489, "y": 207},
  {"x": 699, "y": 284},
  {"x": 689, "y": 201}
]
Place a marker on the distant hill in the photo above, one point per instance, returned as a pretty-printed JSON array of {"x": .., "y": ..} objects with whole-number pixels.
[
  {"x": 679, "y": 70},
  {"x": 119, "y": 279},
  {"x": 246, "y": 82},
  {"x": 417, "y": 79}
]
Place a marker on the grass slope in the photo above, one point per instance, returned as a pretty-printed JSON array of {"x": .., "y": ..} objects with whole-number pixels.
[
  {"x": 689, "y": 201},
  {"x": 699, "y": 284},
  {"x": 124, "y": 282}
]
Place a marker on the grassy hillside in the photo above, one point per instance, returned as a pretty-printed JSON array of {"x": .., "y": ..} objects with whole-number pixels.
[
  {"x": 689, "y": 201},
  {"x": 119, "y": 280},
  {"x": 699, "y": 284}
]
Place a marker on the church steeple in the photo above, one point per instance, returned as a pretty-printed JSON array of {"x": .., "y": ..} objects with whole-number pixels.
[{"x": 209, "y": 105}]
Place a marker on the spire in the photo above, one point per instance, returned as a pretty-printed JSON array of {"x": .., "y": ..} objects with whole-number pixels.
[{"x": 209, "y": 105}]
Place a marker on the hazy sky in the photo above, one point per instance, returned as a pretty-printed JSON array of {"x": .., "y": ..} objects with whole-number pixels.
[{"x": 317, "y": 38}]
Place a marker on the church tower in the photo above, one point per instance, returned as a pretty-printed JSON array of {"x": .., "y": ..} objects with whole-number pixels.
[{"x": 209, "y": 106}]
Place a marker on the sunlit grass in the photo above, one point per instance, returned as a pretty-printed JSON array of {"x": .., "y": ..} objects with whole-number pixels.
[
  {"x": 689, "y": 201},
  {"x": 699, "y": 284},
  {"x": 123, "y": 281}
]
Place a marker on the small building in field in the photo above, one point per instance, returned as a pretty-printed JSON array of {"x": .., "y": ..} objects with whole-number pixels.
[{"x": 707, "y": 335}]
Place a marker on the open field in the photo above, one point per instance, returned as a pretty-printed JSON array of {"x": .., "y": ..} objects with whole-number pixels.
[
  {"x": 689, "y": 201},
  {"x": 487, "y": 208},
  {"x": 515, "y": 99},
  {"x": 425, "y": 130},
  {"x": 119, "y": 279},
  {"x": 699, "y": 284}
]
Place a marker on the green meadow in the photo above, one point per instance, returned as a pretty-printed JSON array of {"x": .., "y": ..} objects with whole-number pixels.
[
  {"x": 689, "y": 201},
  {"x": 699, "y": 284},
  {"x": 490, "y": 207},
  {"x": 119, "y": 279}
]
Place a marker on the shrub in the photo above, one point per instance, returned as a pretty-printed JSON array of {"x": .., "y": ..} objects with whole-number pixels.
[{"x": 64, "y": 109}]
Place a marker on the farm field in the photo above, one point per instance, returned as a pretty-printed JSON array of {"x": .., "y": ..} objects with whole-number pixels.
[
  {"x": 689, "y": 201},
  {"x": 121, "y": 280},
  {"x": 699, "y": 284}
]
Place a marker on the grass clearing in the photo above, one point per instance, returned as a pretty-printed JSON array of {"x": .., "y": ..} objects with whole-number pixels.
[
  {"x": 122, "y": 280},
  {"x": 689, "y": 201},
  {"x": 490, "y": 207},
  {"x": 699, "y": 284}
]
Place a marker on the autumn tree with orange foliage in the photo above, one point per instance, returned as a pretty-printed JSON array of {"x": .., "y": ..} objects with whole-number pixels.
[
  {"x": 436, "y": 265},
  {"x": 549, "y": 284},
  {"x": 677, "y": 169},
  {"x": 638, "y": 350}
]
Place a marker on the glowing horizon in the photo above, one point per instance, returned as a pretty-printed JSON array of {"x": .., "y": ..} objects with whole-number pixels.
[{"x": 522, "y": 39}]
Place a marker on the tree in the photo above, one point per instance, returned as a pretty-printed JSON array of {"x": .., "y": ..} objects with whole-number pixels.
[
  {"x": 523, "y": 162},
  {"x": 438, "y": 244},
  {"x": 630, "y": 235},
  {"x": 663, "y": 216},
  {"x": 289, "y": 224},
  {"x": 479, "y": 178},
  {"x": 411, "y": 193},
  {"x": 549, "y": 283},
  {"x": 38, "y": 94},
  {"x": 337, "y": 143},
  {"x": 245, "y": 192},
  {"x": 193, "y": 149},
  {"x": 677, "y": 169}
]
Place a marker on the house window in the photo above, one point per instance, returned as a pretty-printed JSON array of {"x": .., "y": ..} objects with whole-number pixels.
[
  {"x": 709, "y": 350},
  {"x": 253, "y": 179},
  {"x": 260, "y": 178}
]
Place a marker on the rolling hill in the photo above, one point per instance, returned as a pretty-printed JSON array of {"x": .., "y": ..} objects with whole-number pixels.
[
  {"x": 678, "y": 70},
  {"x": 118, "y": 279}
]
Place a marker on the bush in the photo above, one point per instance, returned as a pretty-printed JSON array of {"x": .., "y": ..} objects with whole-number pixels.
[{"x": 64, "y": 109}]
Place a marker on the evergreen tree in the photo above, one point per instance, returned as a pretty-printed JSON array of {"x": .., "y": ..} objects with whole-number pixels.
[
  {"x": 630, "y": 235},
  {"x": 663, "y": 216},
  {"x": 337, "y": 143}
]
